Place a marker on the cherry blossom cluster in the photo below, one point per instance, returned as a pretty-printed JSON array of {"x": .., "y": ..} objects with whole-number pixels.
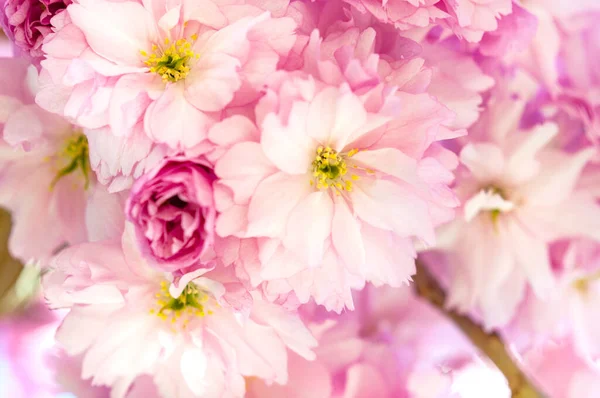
[{"x": 227, "y": 198}]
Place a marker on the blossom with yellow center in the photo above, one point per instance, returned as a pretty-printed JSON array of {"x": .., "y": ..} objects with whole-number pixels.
[
  {"x": 173, "y": 62},
  {"x": 74, "y": 156},
  {"x": 192, "y": 302},
  {"x": 330, "y": 170}
]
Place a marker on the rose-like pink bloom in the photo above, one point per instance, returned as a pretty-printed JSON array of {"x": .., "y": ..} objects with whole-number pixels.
[
  {"x": 27, "y": 22},
  {"x": 45, "y": 178},
  {"x": 337, "y": 186},
  {"x": 173, "y": 212},
  {"x": 519, "y": 194},
  {"x": 197, "y": 335},
  {"x": 365, "y": 55},
  {"x": 403, "y": 14},
  {"x": 392, "y": 345},
  {"x": 168, "y": 65},
  {"x": 470, "y": 19}
]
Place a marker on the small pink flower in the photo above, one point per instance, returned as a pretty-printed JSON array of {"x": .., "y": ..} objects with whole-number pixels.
[{"x": 173, "y": 211}]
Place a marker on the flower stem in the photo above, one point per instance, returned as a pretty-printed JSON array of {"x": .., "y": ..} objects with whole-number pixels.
[{"x": 489, "y": 343}]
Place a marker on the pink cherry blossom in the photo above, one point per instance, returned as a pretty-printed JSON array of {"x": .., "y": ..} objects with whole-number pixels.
[
  {"x": 334, "y": 183},
  {"x": 153, "y": 68},
  {"x": 173, "y": 211},
  {"x": 45, "y": 176},
  {"x": 196, "y": 335},
  {"x": 518, "y": 194}
]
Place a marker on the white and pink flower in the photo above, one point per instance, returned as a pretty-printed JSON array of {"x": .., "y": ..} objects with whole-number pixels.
[
  {"x": 196, "y": 335},
  {"x": 171, "y": 67},
  {"x": 337, "y": 187},
  {"x": 519, "y": 194}
]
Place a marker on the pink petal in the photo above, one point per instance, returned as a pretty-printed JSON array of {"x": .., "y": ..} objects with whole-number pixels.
[
  {"x": 272, "y": 203},
  {"x": 168, "y": 120},
  {"x": 289, "y": 147},
  {"x": 346, "y": 237},
  {"x": 117, "y": 31},
  {"x": 308, "y": 226},
  {"x": 393, "y": 207}
]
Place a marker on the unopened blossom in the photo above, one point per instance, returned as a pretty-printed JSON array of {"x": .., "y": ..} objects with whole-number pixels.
[
  {"x": 196, "y": 336},
  {"x": 171, "y": 66},
  {"x": 173, "y": 211},
  {"x": 339, "y": 185},
  {"x": 27, "y": 23},
  {"x": 519, "y": 194}
]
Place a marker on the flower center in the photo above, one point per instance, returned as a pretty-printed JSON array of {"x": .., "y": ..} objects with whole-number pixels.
[
  {"x": 330, "y": 169},
  {"x": 190, "y": 303},
  {"x": 173, "y": 62},
  {"x": 74, "y": 156},
  {"x": 582, "y": 284}
]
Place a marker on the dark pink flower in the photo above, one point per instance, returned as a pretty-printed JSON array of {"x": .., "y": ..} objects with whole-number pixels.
[
  {"x": 27, "y": 22},
  {"x": 173, "y": 213}
]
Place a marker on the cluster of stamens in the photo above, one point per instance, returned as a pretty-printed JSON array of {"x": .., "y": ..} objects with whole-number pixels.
[
  {"x": 495, "y": 213},
  {"x": 330, "y": 170},
  {"x": 173, "y": 62},
  {"x": 191, "y": 303},
  {"x": 582, "y": 284},
  {"x": 74, "y": 156}
]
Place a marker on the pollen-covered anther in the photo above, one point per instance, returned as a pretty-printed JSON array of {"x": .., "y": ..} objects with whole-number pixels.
[
  {"x": 172, "y": 62},
  {"x": 330, "y": 170},
  {"x": 191, "y": 303}
]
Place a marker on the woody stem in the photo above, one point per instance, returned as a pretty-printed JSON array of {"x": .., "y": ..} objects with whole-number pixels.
[{"x": 490, "y": 344}]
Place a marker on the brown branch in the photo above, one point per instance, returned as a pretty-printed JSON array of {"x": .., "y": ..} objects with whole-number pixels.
[
  {"x": 10, "y": 268},
  {"x": 489, "y": 343}
]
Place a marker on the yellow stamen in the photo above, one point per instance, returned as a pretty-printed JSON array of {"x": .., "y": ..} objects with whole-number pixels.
[
  {"x": 173, "y": 62},
  {"x": 330, "y": 169},
  {"x": 73, "y": 157}
]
